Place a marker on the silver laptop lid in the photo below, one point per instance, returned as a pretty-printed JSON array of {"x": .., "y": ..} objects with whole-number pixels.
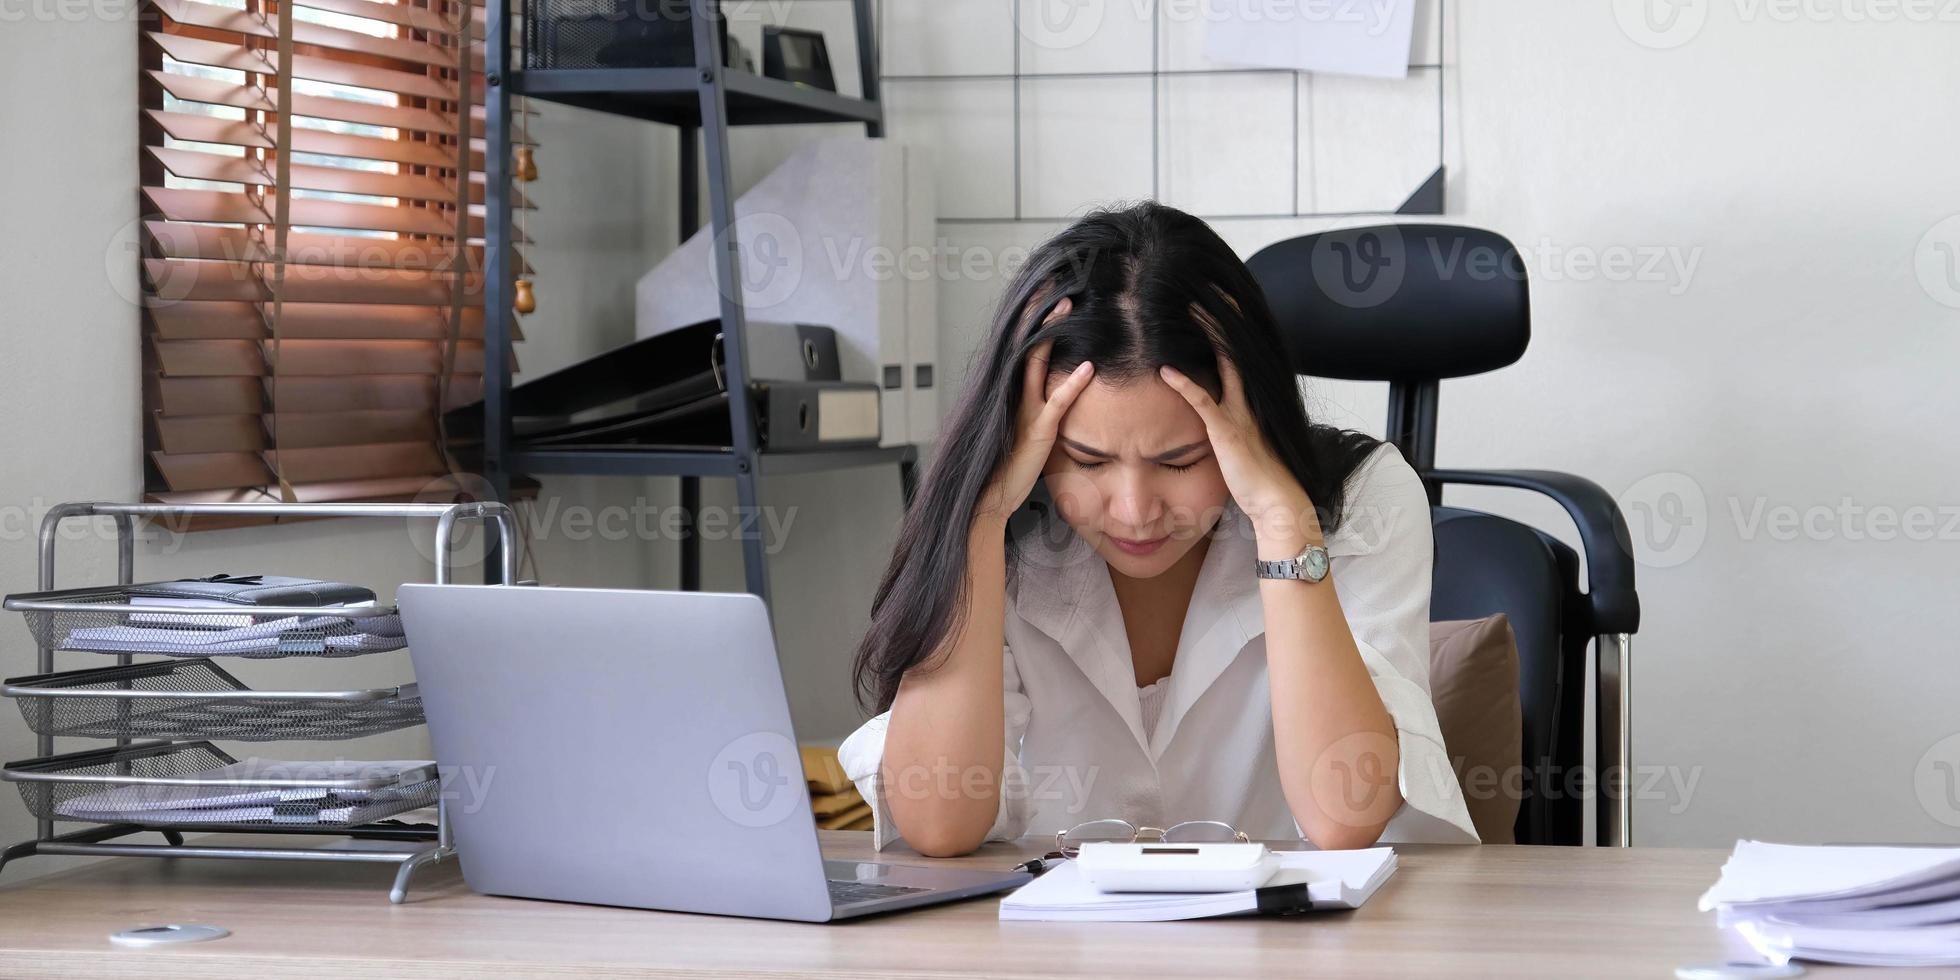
[{"x": 617, "y": 747}]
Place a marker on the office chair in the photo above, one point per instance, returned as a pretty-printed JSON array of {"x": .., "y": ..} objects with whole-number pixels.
[{"x": 1412, "y": 304}]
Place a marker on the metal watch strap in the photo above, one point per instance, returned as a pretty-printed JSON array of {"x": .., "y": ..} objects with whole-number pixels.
[{"x": 1300, "y": 568}]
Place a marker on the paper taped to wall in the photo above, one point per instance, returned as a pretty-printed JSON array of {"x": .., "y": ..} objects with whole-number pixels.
[{"x": 1343, "y": 37}]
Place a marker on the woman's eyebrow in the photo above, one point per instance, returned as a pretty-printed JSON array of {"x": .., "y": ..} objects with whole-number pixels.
[{"x": 1168, "y": 454}]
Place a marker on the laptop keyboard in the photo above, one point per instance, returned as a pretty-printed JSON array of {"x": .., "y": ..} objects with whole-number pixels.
[{"x": 849, "y": 892}]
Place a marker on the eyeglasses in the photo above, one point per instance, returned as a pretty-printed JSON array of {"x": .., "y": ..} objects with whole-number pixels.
[{"x": 1069, "y": 842}]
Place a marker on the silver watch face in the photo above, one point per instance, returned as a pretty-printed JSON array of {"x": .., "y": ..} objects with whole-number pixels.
[{"x": 1316, "y": 562}]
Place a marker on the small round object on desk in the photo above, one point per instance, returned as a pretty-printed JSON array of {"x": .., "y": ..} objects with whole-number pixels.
[
  {"x": 169, "y": 935},
  {"x": 1737, "y": 970}
]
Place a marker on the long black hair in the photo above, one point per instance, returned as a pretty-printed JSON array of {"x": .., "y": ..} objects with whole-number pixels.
[{"x": 1148, "y": 285}]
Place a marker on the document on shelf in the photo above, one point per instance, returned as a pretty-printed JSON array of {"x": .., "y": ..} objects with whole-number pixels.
[{"x": 1306, "y": 881}]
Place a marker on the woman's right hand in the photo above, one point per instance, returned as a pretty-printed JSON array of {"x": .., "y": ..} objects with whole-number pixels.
[{"x": 1034, "y": 432}]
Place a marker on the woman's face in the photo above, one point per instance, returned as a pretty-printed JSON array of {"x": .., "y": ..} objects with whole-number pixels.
[{"x": 1133, "y": 473}]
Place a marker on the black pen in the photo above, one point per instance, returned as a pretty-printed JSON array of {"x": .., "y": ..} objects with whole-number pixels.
[{"x": 1041, "y": 864}]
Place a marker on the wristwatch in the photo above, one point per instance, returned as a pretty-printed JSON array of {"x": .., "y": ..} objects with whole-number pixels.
[{"x": 1311, "y": 566}]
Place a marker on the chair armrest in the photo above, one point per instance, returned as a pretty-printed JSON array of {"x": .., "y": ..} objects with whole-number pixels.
[{"x": 1602, "y": 532}]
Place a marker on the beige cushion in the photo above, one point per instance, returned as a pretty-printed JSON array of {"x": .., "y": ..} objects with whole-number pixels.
[{"x": 1473, "y": 680}]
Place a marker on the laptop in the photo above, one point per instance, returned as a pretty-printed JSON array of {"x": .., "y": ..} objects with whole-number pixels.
[{"x": 634, "y": 748}]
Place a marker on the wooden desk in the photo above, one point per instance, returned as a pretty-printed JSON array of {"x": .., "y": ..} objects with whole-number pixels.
[{"x": 1448, "y": 910}]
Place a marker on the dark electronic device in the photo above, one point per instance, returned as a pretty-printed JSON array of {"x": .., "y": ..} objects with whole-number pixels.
[
  {"x": 615, "y": 34},
  {"x": 797, "y": 56}
]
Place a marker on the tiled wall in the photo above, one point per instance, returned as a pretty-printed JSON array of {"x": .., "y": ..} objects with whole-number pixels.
[
  {"x": 1029, "y": 127},
  {"x": 1034, "y": 121}
]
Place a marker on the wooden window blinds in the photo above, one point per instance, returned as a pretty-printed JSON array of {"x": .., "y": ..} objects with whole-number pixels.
[{"x": 312, "y": 292}]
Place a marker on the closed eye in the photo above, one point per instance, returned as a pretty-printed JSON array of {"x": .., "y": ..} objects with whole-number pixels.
[{"x": 1100, "y": 463}]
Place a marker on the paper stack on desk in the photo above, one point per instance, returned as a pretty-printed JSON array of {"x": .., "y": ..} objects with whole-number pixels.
[
  {"x": 1320, "y": 880},
  {"x": 1872, "y": 906}
]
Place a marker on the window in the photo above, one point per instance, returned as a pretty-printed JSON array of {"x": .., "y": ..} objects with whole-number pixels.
[{"x": 320, "y": 378}]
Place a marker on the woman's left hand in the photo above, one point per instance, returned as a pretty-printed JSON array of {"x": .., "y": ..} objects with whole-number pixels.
[{"x": 1260, "y": 482}]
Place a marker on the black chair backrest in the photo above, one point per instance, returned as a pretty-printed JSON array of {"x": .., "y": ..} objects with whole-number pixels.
[
  {"x": 1401, "y": 303},
  {"x": 1485, "y": 565},
  {"x": 1412, "y": 304}
]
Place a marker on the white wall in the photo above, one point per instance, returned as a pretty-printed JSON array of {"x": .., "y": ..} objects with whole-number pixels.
[
  {"x": 1801, "y": 684},
  {"x": 1801, "y": 365},
  {"x": 70, "y": 400}
]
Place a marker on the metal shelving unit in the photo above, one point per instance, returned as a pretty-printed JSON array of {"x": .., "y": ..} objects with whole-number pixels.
[
  {"x": 703, "y": 102},
  {"x": 188, "y": 710}
]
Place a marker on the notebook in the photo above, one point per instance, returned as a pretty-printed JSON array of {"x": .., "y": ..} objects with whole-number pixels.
[
  {"x": 1306, "y": 881},
  {"x": 250, "y": 590}
]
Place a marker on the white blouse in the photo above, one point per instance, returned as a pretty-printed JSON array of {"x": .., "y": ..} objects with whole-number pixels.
[{"x": 1078, "y": 744}]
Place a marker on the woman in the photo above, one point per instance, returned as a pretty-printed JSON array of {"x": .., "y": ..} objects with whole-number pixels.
[{"x": 1132, "y": 409}]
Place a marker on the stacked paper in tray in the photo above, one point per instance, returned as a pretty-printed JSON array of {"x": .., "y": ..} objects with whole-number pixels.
[
  {"x": 833, "y": 798},
  {"x": 226, "y": 795},
  {"x": 317, "y": 635},
  {"x": 232, "y": 629},
  {"x": 1874, "y": 906}
]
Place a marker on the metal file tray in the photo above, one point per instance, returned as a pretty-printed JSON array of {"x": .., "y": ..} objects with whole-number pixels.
[
  {"x": 104, "y": 620},
  {"x": 50, "y": 785},
  {"x": 197, "y": 699}
]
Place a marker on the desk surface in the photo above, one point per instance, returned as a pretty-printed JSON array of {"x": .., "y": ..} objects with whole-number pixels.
[{"x": 1456, "y": 910}]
